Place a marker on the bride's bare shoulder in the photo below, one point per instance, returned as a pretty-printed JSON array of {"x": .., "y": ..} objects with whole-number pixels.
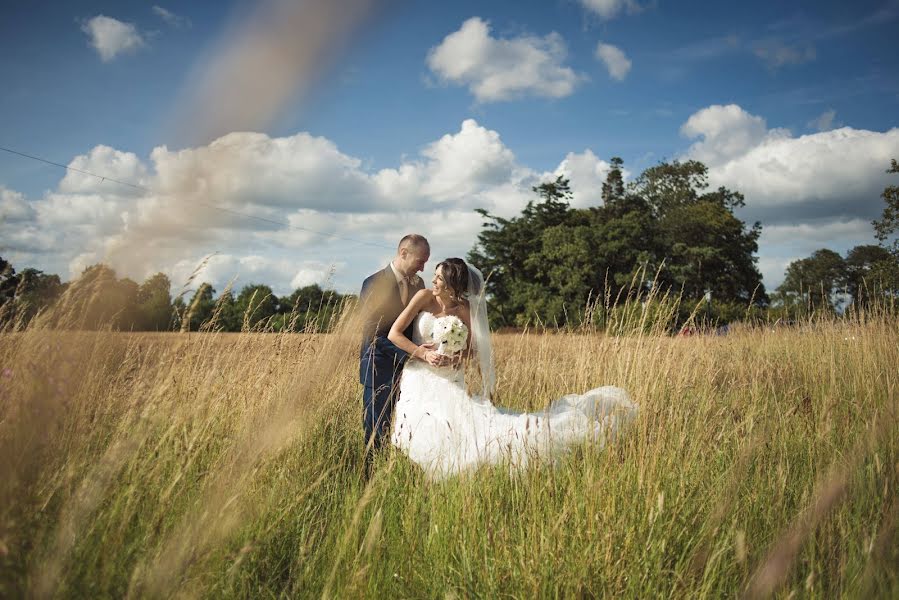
[
  {"x": 422, "y": 294},
  {"x": 423, "y": 299}
]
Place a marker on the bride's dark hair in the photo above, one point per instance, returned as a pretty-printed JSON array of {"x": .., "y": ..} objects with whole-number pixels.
[{"x": 455, "y": 275}]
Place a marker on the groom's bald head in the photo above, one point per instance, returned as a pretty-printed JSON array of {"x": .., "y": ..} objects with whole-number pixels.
[
  {"x": 412, "y": 253},
  {"x": 413, "y": 240}
]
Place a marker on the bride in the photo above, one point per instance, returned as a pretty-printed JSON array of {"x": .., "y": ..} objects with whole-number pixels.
[{"x": 444, "y": 429}]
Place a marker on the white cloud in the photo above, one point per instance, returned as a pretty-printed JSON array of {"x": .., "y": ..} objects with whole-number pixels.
[
  {"x": 776, "y": 54},
  {"x": 824, "y": 121},
  {"x": 111, "y": 37},
  {"x": 811, "y": 191},
  {"x": 833, "y": 173},
  {"x": 97, "y": 211},
  {"x": 302, "y": 180},
  {"x": 113, "y": 164},
  {"x": 497, "y": 69},
  {"x": 609, "y": 9},
  {"x": 18, "y": 230},
  {"x": 251, "y": 169},
  {"x": 726, "y": 132},
  {"x": 462, "y": 163},
  {"x": 616, "y": 62},
  {"x": 14, "y": 207},
  {"x": 814, "y": 235},
  {"x": 283, "y": 275},
  {"x": 587, "y": 172},
  {"x": 308, "y": 182},
  {"x": 810, "y": 183},
  {"x": 173, "y": 20},
  {"x": 838, "y": 172}
]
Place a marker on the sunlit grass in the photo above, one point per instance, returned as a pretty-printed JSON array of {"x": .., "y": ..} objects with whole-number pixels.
[{"x": 230, "y": 465}]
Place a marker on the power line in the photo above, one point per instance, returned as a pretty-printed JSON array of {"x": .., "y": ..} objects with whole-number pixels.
[{"x": 103, "y": 178}]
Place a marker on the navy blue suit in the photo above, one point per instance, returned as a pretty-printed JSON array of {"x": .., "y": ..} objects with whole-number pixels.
[{"x": 380, "y": 361}]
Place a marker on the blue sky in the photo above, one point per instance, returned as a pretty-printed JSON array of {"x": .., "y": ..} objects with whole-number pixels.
[{"x": 431, "y": 110}]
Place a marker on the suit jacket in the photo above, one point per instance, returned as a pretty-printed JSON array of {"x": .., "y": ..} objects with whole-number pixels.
[{"x": 381, "y": 304}]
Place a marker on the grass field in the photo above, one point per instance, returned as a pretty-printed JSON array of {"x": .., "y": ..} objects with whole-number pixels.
[{"x": 764, "y": 462}]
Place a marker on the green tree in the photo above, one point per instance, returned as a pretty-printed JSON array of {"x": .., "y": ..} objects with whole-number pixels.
[
  {"x": 102, "y": 300},
  {"x": 35, "y": 292},
  {"x": 505, "y": 252},
  {"x": 200, "y": 308},
  {"x": 706, "y": 248},
  {"x": 256, "y": 303},
  {"x": 814, "y": 282},
  {"x": 671, "y": 185},
  {"x": 871, "y": 271},
  {"x": 613, "y": 188},
  {"x": 308, "y": 308},
  {"x": 154, "y": 302},
  {"x": 8, "y": 281},
  {"x": 888, "y": 224},
  {"x": 628, "y": 240},
  {"x": 23, "y": 295},
  {"x": 550, "y": 261},
  {"x": 228, "y": 315}
]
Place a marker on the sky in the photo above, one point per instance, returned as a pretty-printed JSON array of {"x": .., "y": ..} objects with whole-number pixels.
[{"x": 292, "y": 143}]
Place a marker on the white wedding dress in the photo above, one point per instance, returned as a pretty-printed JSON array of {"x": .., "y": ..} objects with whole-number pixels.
[{"x": 446, "y": 431}]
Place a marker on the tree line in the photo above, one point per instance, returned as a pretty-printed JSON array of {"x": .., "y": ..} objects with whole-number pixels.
[
  {"x": 868, "y": 273},
  {"x": 99, "y": 299},
  {"x": 665, "y": 232}
]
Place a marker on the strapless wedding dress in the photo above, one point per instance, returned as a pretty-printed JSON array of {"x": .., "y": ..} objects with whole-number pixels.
[{"x": 446, "y": 431}]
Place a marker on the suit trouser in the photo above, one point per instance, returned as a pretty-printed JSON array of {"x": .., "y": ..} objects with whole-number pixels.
[{"x": 377, "y": 414}]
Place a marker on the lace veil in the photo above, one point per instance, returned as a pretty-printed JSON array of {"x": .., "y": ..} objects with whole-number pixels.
[{"x": 480, "y": 329}]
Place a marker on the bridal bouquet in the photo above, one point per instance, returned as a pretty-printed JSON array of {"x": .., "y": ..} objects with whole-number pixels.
[{"x": 450, "y": 334}]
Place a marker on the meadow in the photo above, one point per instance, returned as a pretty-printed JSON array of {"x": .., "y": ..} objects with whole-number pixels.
[{"x": 764, "y": 462}]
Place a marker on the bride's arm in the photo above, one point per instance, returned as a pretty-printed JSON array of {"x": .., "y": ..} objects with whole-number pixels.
[{"x": 418, "y": 303}]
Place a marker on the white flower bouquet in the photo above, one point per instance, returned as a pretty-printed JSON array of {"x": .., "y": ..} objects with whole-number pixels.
[{"x": 450, "y": 335}]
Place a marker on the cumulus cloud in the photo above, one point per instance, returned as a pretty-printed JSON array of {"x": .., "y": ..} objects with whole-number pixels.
[
  {"x": 813, "y": 234},
  {"x": 824, "y": 121},
  {"x": 725, "y": 132},
  {"x": 345, "y": 217},
  {"x": 339, "y": 216},
  {"x": 609, "y": 9},
  {"x": 173, "y": 20},
  {"x": 18, "y": 227},
  {"x": 587, "y": 172},
  {"x": 776, "y": 54},
  {"x": 14, "y": 207},
  {"x": 838, "y": 173},
  {"x": 617, "y": 63},
  {"x": 462, "y": 163},
  {"x": 496, "y": 69},
  {"x": 809, "y": 192},
  {"x": 111, "y": 37},
  {"x": 113, "y": 164}
]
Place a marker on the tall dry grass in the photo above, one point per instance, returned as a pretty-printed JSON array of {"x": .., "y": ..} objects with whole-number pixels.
[{"x": 763, "y": 462}]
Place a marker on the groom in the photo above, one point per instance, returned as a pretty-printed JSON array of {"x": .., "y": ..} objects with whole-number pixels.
[{"x": 384, "y": 296}]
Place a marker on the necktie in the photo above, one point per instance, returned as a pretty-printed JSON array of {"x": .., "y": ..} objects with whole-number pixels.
[{"x": 404, "y": 291}]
